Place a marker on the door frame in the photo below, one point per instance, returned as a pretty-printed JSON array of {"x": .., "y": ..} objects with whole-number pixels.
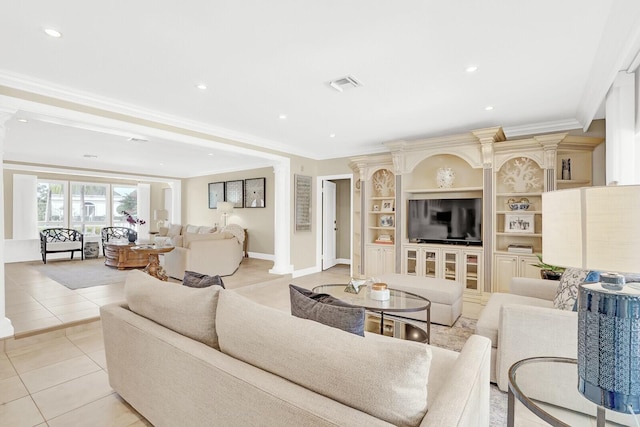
[{"x": 319, "y": 217}]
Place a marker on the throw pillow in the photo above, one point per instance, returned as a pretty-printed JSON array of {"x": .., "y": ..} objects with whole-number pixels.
[
  {"x": 198, "y": 280},
  {"x": 326, "y": 309},
  {"x": 174, "y": 230},
  {"x": 567, "y": 293},
  {"x": 205, "y": 229}
]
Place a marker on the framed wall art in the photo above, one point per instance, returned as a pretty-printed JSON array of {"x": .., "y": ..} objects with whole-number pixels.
[
  {"x": 254, "y": 195},
  {"x": 302, "y": 202},
  {"x": 519, "y": 223},
  {"x": 387, "y": 205},
  {"x": 216, "y": 194},
  {"x": 234, "y": 193}
]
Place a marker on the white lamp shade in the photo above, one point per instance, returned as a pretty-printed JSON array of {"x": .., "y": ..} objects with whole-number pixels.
[
  {"x": 594, "y": 228},
  {"x": 225, "y": 207}
]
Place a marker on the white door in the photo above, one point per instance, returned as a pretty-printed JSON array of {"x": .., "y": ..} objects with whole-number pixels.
[{"x": 328, "y": 224}]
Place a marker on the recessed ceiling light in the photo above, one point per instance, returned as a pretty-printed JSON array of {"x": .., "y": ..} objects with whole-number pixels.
[
  {"x": 471, "y": 69},
  {"x": 488, "y": 108},
  {"x": 23, "y": 120},
  {"x": 202, "y": 86},
  {"x": 52, "y": 32},
  {"x": 210, "y": 154},
  {"x": 282, "y": 116},
  {"x": 332, "y": 135},
  {"x": 161, "y": 164}
]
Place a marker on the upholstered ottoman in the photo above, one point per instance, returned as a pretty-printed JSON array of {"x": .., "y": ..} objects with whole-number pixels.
[{"x": 445, "y": 296}]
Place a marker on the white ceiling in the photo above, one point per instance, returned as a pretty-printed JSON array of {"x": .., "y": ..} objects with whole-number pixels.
[{"x": 260, "y": 59}]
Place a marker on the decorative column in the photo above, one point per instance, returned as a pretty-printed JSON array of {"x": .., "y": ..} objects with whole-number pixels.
[
  {"x": 6, "y": 328},
  {"x": 550, "y": 148},
  {"x": 282, "y": 218},
  {"x": 621, "y": 145},
  {"x": 487, "y": 137}
]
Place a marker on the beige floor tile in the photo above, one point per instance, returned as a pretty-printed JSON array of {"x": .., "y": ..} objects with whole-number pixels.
[
  {"x": 72, "y": 308},
  {"x": 106, "y": 300},
  {"x": 35, "y": 324},
  {"x": 91, "y": 313},
  {"x": 73, "y": 394},
  {"x": 35, "y": 314},
  {"x": 6, "y": 368},
  {"x": 30, "y": 305},
  {"x": 20, "y": 413},
  {"x": 100, "y": 358},
  {"x": 62, "y": 301},
  {"x": 88, "y": 341},
  {"x": 17, "y": 298},
  {"x": 59, "y": 350},
  {"x": 110, "y": 411},
  {"x": 52, "y": 375},
  {"x": 11, "y": 389}
]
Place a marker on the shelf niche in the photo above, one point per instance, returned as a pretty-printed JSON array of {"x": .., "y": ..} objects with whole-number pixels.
[{"x": 424, "y": 175}]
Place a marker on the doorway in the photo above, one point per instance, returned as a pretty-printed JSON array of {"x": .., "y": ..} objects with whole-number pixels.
[{"x": 336, "y": 224}]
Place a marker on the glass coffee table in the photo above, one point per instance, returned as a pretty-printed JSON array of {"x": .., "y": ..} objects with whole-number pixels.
[
  {"x": 398, "y": 302},
  {"x": 548, "y": 388}
]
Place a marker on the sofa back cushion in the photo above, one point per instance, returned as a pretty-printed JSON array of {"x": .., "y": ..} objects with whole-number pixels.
[
  {"x": 385, "y": 378},
  {"x": 188, "y": 311}
]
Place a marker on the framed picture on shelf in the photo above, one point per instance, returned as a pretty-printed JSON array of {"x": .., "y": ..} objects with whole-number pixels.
[
  {"x": 376, "y": 208},
  {"x": 216, "y": 194},
  {"x": 386, "y": 220},
  {"x": 254, "y": 193},
  {"x": 387, "y": 205},
  {"x": 519, "y": 223},
  {"x": 234, "y": 193}
]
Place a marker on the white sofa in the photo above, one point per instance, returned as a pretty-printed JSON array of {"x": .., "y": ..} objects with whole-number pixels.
[
  {"x": 524, "y": 323},
  {"x": 212, "y": 253},
  {"x": 202, "y": 357}
]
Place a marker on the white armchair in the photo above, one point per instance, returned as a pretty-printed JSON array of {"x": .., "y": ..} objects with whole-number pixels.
[{"x": 524, "y": 323}]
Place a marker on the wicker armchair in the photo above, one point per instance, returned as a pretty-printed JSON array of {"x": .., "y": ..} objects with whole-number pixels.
[
  {"x": 53, "y": 240},
  {"x": 112, "y": 233}
]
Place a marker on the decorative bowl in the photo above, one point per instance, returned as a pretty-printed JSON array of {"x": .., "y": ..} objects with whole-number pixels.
[{"x": 519, "y": 206}]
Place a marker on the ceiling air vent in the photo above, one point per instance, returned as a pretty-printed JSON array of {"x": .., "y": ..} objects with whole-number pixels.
[{"x": 344, "y": 83}]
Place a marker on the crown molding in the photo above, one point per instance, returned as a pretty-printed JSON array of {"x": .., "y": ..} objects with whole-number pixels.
[
  {"x": 542, "y": 127},
  {"x": 85, "y": 99}
]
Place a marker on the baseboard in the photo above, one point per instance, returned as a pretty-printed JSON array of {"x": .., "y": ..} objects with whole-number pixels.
[
  {"x": 346, "y": 261},
  {"x": 258, "y": 255},
  {"x": 305, "y": 272}
]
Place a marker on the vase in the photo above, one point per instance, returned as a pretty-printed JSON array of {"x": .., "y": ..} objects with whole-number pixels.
[
  {"x": 133, "y": 236},
  {"x": 445, "y": 177}
]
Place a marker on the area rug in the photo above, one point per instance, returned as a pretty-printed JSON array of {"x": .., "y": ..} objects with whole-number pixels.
[{"x": 79, "y": 274}]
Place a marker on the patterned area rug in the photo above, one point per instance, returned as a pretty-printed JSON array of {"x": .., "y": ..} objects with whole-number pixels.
[{"x": 78, "y": 274}]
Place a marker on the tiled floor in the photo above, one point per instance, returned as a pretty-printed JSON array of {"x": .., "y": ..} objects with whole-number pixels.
[{"x": 59, "y": 378}]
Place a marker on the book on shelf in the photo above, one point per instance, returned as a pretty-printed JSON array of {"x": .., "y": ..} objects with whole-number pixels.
[
  {"x": 384, "y": 242},
  {"x": 520, "y": 249}
]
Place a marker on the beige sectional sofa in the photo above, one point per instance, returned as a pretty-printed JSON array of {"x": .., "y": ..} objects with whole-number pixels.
[
  {"x": 202, "y": 357},
  {"x": 202, "y": 249}
]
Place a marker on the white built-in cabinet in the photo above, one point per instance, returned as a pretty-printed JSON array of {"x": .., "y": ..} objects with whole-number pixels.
[
  {"x": 486, "y": 165},
  {"x": 444, "y": 262}
]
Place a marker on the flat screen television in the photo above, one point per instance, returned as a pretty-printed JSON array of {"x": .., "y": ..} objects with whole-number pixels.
[{"x": 453, "y": 221}]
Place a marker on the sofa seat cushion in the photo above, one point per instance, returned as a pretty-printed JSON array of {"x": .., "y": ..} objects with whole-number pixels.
[
  {"x": 188, "y": 311},
  {"x": 327, "y": 310},
  {"x": 63, "y": 246},
  {"x": 489, "y": 320},
  {"x": 386, "y": 379},
  {"x": 435, "y": 290}
]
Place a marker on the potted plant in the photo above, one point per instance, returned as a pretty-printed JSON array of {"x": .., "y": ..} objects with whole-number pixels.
[{"x": 548, "y": 271}]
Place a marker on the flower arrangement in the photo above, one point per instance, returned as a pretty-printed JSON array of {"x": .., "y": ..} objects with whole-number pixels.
[{"x": 132, "y": 220}]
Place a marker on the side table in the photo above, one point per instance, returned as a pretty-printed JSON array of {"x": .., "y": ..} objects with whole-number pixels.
[{"x": 153, "y": 268}]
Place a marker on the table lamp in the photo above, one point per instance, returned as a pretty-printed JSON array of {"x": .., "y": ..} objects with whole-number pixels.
[
  {"x": 226, "y": 208},
  {"x": 598, "y": 228},
  {"x": 160, "y": 215}
]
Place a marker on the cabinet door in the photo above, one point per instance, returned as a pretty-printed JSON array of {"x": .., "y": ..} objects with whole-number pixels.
[
  {"x": 505, "y": 267},
  {"x": 372, "y": 261},
  {"x": 527, "y": 269},
  {"x": 472, "y": 270},
  {"x": 411, "y": 262},
  {"x": 450, "y": 265},
  {"x": 430, "y": 262},
  {"x": 387, "y": 260}
]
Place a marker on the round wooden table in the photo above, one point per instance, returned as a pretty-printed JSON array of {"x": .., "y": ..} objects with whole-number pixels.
[{"x": 153, "y": 268}]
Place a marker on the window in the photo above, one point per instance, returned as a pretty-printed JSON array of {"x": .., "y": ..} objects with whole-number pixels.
[
  {"x": 89, "y": 207},
  {"x": 52, "y": 204},
  {"x": 124, "y": 198}
]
